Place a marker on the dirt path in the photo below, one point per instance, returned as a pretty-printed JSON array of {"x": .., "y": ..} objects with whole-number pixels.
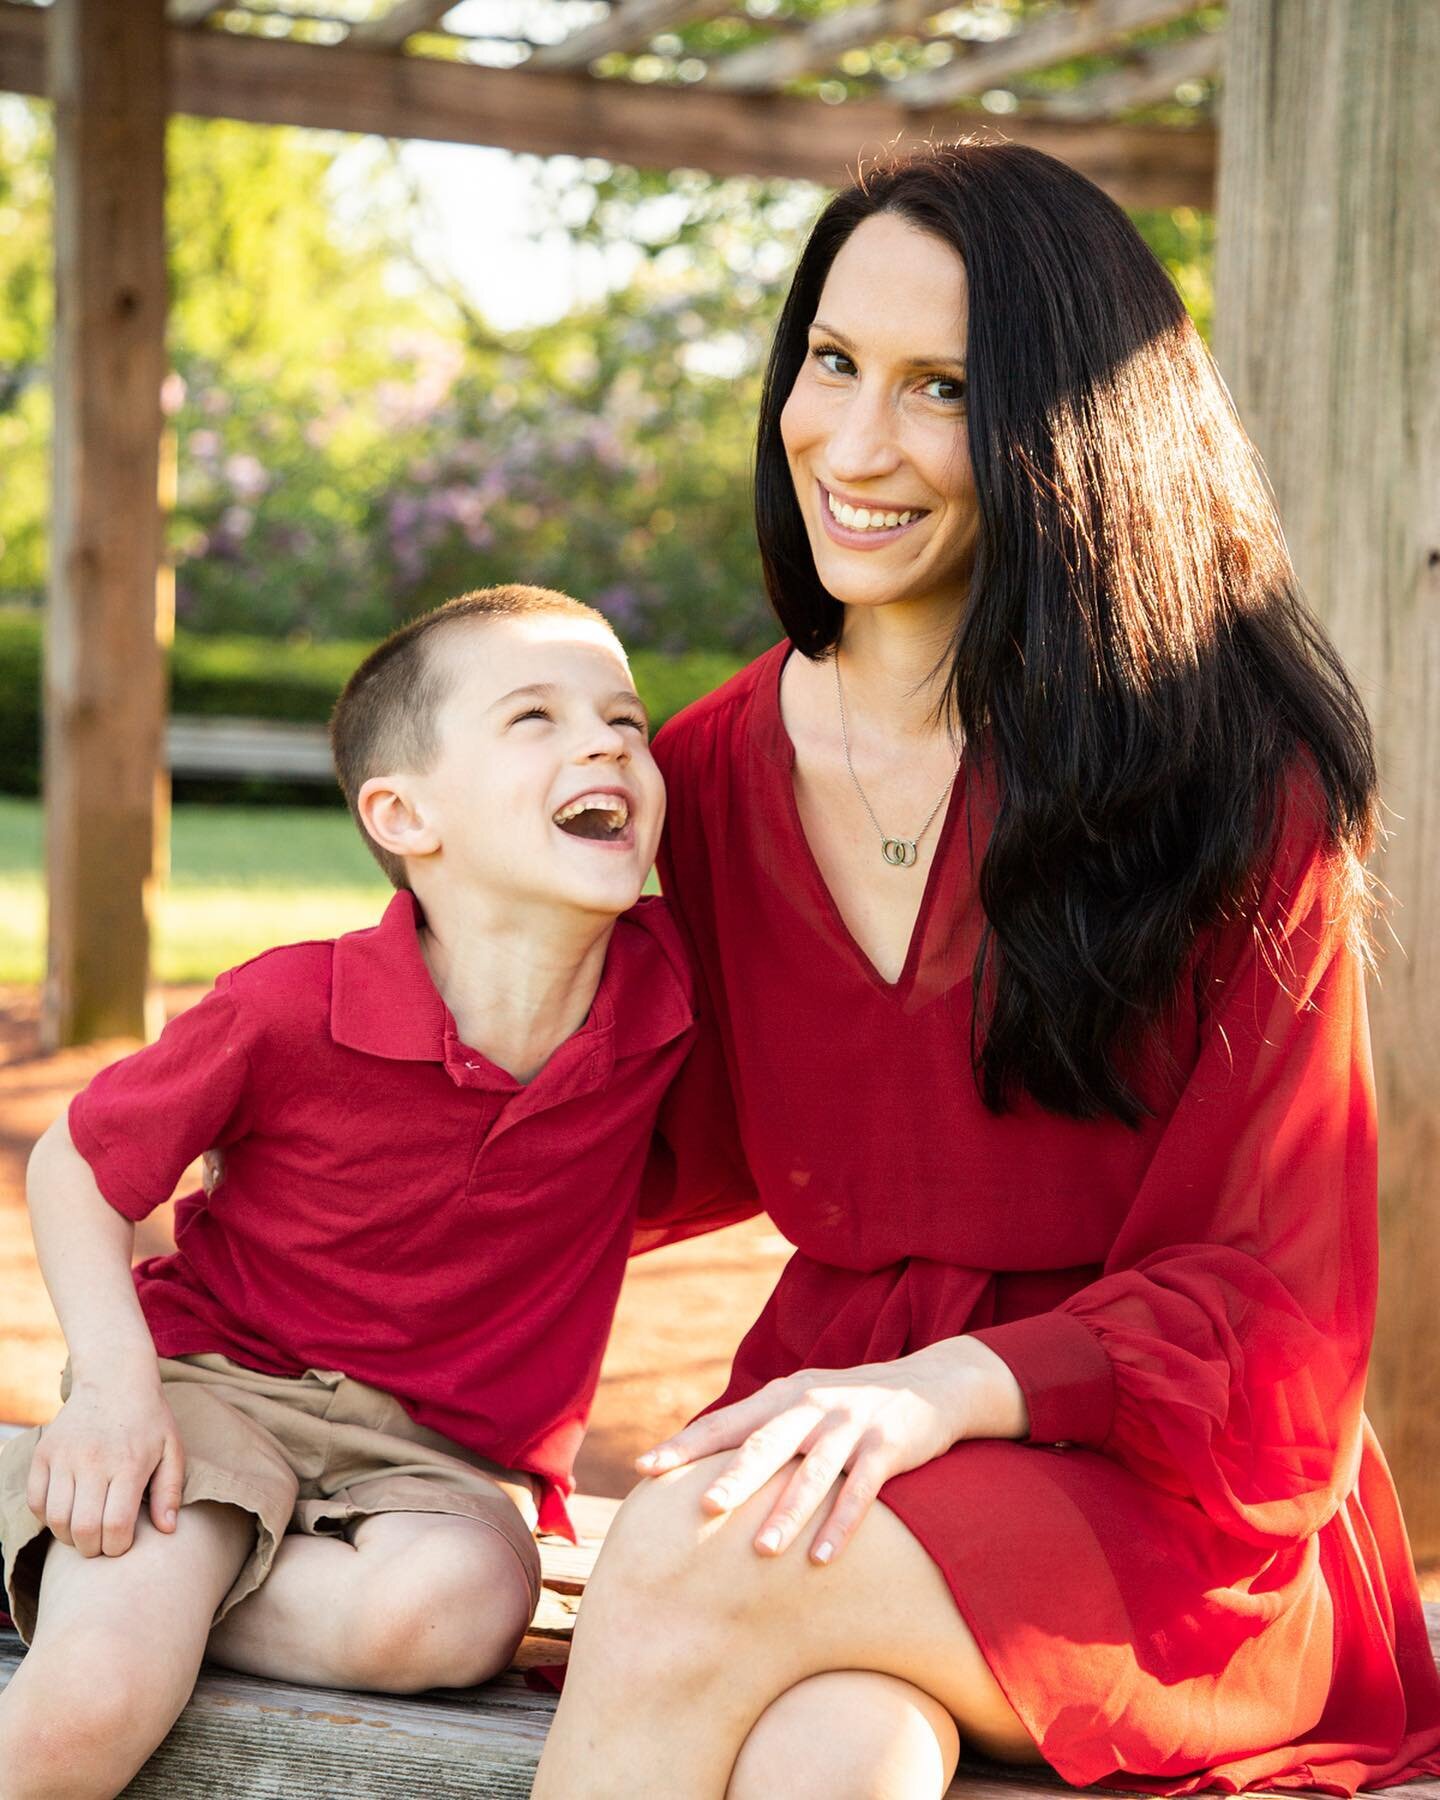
[{"x": 681, "y": 1315}]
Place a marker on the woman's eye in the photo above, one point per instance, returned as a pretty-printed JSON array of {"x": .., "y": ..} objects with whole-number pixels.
[
  {"x": 956, "y": 388},
  {"x": 828, "y": 356}
]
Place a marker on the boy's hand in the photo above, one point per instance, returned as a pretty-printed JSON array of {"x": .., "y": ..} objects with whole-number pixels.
[{"x": 88, "y": 1474}]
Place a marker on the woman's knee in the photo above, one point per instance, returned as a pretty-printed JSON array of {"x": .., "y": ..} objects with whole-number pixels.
[
  {"x": 664, "y": 1543},
  {"x": 676, "y": 1591},
  {"x": 849, "y": 1734}
]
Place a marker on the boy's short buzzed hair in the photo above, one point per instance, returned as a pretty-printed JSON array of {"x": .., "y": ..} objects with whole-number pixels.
[{"x": 384, "y": 720}]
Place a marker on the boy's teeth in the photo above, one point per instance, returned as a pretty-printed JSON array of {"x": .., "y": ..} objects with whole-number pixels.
[
  {"x": 612, "y": 804},
  {"x": 862, "y": 518}
]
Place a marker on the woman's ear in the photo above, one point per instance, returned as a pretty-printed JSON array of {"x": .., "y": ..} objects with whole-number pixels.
[{"x": 394, "y": 818}]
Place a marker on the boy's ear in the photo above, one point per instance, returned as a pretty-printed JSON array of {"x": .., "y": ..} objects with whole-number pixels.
[{"x": 392, "y": 815}]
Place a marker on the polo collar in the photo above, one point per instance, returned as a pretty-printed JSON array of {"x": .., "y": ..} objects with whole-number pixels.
[{"x": 383, "y": 1002}]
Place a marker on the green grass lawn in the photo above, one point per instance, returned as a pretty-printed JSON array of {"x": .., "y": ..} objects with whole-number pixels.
[{"x": 242, "y": 878}]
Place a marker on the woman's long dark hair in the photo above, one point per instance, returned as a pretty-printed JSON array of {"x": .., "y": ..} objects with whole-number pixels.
[{"x": 1136, "y": 656}]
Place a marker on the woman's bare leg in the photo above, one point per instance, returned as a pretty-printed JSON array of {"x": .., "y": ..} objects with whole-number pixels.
[
  {"x": 687, "y": 1637},
  {"x": 849, "y": 1735}
]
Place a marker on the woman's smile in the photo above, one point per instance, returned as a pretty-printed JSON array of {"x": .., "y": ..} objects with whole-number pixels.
[
  {"x": 862, "y": 524},
  {"x": 876, "y": 417}
]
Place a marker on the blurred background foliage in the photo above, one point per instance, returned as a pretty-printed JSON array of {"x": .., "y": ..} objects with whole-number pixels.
[{"x": 354, "y": 441}]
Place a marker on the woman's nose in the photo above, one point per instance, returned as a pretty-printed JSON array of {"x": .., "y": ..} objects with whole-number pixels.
[{"x": 862, "y": 441}]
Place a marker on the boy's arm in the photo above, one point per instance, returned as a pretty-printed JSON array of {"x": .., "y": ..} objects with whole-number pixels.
[{"x": 115, "y": 1433}]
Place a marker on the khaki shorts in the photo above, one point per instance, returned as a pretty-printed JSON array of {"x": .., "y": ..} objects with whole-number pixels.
[{"x": 315, "y": 1453}]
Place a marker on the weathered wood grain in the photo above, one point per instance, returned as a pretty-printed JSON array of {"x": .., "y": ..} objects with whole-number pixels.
[
  {"x": 241, "y": 1738},
  {"x": 1326, "y": 323},
  {"x": 105, "y": 799}
]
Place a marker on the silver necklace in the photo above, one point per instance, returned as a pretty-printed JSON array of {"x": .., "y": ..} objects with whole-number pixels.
[{"x": 899, "y": 852}]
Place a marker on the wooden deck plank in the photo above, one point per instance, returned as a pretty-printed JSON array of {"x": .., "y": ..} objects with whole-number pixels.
[{"x": 274, "y": 1741}]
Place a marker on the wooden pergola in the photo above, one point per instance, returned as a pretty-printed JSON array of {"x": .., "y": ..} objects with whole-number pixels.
[{"x": 1328, "y": 175}]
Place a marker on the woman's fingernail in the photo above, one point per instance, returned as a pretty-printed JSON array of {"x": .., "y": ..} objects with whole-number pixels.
[
  {"x": 170, "y": 1516},
  {"x": 768, "y": 1539},
  {"x": 646, "y": 1461},
  {"x": 822, "y": 1552}
]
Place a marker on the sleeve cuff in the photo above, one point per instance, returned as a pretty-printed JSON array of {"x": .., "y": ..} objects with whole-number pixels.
[
  {"x": 127, "y": 1201},
  {"x": 1064, "y": 1374}
]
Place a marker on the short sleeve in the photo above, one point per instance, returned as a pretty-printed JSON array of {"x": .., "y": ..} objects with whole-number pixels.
[{"x": 142, "y": 1121}]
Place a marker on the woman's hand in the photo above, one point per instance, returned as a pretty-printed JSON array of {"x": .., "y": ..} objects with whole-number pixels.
[{"x": 865, "y": 1424}]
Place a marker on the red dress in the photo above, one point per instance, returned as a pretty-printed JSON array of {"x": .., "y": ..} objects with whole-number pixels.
[{"x": 1195, "y": 1572}]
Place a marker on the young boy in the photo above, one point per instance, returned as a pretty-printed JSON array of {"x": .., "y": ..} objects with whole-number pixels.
[{"x": 357, "y": 1386}]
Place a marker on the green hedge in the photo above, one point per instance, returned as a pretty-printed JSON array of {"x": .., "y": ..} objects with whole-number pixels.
[
  {"x": 19, "y": 702},
  {"x": 257, "y": 678}
]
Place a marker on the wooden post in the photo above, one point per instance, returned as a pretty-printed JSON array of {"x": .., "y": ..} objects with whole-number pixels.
[
  {"x": 1329, "y": 268},
  {"x": 104, "y": 678}
]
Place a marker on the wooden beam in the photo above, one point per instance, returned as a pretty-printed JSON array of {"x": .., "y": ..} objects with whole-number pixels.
[
  {"x": 1328, "y": 268},
  {"x": 630, "y": 26},
  {"x": 404, "y": 19},
  {"x": 219, "y": 75},
  {"x": 1078, "y": 31},
  {"x": 24, "y": 60},
  {"x": 105, "y": 796},
  {"x": 1148, "y": 78},
  {"x": 819, "y": 46}
]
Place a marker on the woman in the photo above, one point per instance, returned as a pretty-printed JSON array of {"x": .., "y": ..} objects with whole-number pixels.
[{"x": 1025, "y": 880}]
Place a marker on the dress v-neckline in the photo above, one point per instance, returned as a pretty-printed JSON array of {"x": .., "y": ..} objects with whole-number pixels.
[{"x": 954, "y": 805}]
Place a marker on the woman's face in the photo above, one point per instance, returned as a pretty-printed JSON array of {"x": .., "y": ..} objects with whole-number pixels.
[{"x": 874, "y": 429}]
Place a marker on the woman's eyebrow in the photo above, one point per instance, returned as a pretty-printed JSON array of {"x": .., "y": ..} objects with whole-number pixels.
[{"x": 911, "y": 362}]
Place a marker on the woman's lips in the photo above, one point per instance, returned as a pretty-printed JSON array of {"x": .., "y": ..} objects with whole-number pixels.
[{"x": 859, "y": 540}]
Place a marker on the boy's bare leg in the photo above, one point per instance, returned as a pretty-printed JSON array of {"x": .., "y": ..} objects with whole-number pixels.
[
  {"x": 416, "y": 1601},
  {"x": 117, "y": 1646}
]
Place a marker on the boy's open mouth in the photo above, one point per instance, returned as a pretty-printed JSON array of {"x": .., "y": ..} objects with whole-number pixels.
[{"x": 601, "y": 817}]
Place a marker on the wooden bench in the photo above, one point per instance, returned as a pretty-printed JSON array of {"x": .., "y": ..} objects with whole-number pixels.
[
  {"x": 240, "y": 749},
  {"x": 241, "y": 1738}
]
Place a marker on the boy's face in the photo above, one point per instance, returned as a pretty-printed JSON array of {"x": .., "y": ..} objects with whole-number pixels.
[{"x": 544, "y": 788}]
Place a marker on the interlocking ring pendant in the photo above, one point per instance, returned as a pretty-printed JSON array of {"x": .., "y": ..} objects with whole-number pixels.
[{"x": 900, "y": 853}]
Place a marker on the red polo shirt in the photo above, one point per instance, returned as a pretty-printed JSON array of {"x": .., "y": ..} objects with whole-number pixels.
[{"x": 394, "y": 1205}]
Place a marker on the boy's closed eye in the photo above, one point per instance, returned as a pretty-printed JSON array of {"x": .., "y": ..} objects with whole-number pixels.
[{"x": 638, "y": 723}]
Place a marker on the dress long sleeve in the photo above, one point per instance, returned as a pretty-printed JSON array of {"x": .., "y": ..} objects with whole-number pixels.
[
  {"x": 1210, "y": 1588},
  {"x": 1221, "y": 1355},
  {"x": 697, "y": 1178}
]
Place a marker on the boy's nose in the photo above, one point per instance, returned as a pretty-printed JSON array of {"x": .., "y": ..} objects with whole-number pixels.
[{"x": 609, "y": 744}]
